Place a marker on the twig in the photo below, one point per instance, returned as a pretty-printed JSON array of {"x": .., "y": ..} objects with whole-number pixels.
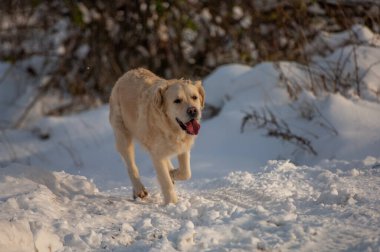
[
  {"x": 276, "y": 128},
  {"x": 41, "y": 91},
  {"x": 6, "y": 73},
  {"x": 330, "y": 125},
  {"x": 77, "y": 161}
]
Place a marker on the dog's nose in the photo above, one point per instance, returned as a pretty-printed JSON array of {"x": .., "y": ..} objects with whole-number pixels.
[{"x": 192, "y": 112}]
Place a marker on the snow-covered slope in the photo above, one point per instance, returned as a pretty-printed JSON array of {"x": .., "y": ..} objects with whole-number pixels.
[{"x": 63, "y": 186}]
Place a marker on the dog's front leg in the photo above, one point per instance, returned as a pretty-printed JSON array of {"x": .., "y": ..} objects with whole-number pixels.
[
  {"x": 184, "y": 171},
  {"x": 167, "y": 187}
]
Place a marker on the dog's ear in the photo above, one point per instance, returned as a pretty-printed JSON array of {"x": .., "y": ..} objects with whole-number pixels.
[
  {"x": 159, "y": 94},
  {"x": 201, "y": 92}
]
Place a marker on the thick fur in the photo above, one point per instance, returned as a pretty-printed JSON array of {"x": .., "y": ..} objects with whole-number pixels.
[{"x": 143, "y": 107}]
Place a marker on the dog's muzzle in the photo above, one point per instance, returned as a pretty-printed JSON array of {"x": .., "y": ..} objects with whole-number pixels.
[{"x": 191, "y": 127}]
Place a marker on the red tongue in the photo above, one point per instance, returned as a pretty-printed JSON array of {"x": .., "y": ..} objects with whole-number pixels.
[{"x": 192, "y": 127}]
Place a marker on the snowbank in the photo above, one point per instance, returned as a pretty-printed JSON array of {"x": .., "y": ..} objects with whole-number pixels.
[
  {"x": 32, "y": 203},
  {"x": 333, "y": 104}
]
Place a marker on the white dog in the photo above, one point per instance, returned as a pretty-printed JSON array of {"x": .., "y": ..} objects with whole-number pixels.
[{"x": 163, "y": 115}]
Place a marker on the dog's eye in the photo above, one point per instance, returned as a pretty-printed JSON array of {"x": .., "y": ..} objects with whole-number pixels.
[
  {"x": 178, "y": 101},
  {"x": 194, "y": 97}
]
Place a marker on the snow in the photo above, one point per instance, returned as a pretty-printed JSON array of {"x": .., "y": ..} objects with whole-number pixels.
[
  {"x": 358, "y": 34},
  {"x": 63, "y": 186},
  {"x": 280, "y": 207},
  {"x": 22, "y": 95},
  {"x": 217, "y": 83}
]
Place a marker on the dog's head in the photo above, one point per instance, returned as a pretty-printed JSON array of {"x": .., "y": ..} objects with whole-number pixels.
[{"x": 182, "y": 101}]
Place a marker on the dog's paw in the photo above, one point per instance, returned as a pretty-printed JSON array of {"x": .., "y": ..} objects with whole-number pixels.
[
  {"x": 178, "y": 174},
  {"x": 142, "y": 193},
  {"x": 170, "y": 198}
]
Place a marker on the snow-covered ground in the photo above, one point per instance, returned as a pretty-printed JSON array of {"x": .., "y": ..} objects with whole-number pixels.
[
  {"x": 64, "y": 188},
  {"x": 330, "y": 207}
]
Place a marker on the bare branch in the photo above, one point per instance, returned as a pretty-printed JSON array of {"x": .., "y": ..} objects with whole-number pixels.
[{"x": 275, "y": 128}]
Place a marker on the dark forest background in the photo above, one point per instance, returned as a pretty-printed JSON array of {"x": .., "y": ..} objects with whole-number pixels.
[{"x": 87, "y": 45}]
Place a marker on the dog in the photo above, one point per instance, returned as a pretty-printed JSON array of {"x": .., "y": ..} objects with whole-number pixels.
[{"x": 164, "y": 116}]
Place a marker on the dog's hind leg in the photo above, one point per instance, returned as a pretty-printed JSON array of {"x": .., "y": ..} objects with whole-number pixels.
[{"x": 124, "y": 145}]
